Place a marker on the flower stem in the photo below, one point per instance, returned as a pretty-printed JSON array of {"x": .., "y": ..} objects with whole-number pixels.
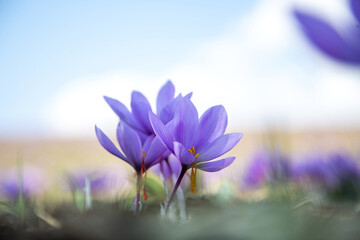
[
  {"x": 137, "y": 196},
  {"x": 177, "y": 184}
]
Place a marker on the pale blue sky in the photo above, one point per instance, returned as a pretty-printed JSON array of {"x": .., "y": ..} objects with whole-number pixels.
[{"x": 47, "y": 44}]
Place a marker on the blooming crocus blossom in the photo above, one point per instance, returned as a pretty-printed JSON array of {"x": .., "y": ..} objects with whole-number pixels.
[
  {"x": 342, "y": 46},
  {"x": 338, "y": 175},
  {"x": 195, "y": 142},
  {"x": 98, "y": 181},
  {"x": 31, "y": 180},
  {"x": 140, "y": 156},
  {"x": 267, "y": 166},
  {"x": 138, "y": 118}
]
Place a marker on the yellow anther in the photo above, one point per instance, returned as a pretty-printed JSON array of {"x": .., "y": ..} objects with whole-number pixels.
[
  {"x": 192, "y": 151},
  {"x": 143, "y": 154}
]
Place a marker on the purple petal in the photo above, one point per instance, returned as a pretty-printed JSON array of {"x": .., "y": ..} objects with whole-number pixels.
[
  {"x": 140, "y": 108},
  {"x": 185, "y": 157},
  {"x": 212, "y": 125},
  {"x": 355, "y": 7},
  {"x": 189, "y": 95},
  {"x": 216, "y": 165},
  {"x": 108, "y": 144},
  {"x": 155, "y": 152},
  {"x": 123, "y": 113},
  {"x": 169, "y": 168},
  {"x": 257, "y": 170},
  {"x": 186, "y": 123},
  {"x": 147, "y": 142},
  {"x": 220, "y": 146},
  {"x": 130, "y": 143},
  {"x": 162, "y": 131},
  {"x": 326, "y": 38},
  {"x": 166, "y": 94},
  {"x": 167, "y": 112}
]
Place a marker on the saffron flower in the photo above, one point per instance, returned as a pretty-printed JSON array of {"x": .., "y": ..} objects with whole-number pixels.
[
  {"x": 98, "y": 181},
  {"x": 338, "y": 175},
  {"x": 343, "y": 46},
  {"x": 31, "y": 180},
  {"x": 141, "y": 156},
  {"x": 195, "y": 142},
  {"x": 267, "y": 166}
]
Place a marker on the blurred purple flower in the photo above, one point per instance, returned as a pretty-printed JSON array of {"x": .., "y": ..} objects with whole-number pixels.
[
  {"x": 339, "y": 175},
  {"x": 98, "y": 181},
  {"x": 314, "y": 169},
  {"x": 32, "y": 182},
  {"x": 195, "y": 142},
  {"x": 267, "y": 166},
  {"x": 342, "y": 46}
]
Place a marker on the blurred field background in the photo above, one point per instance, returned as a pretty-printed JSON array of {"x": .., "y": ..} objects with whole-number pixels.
[{"x": 55, "y": 158}]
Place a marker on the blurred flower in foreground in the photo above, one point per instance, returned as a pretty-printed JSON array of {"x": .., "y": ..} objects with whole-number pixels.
[
  {"x": 338, "y": 176},
  {"x": 267, "y": 167},
  {"x": 32, "y": 182},
  {"x": 195, "y": 142},
  {"x": 342, "y": 46}
]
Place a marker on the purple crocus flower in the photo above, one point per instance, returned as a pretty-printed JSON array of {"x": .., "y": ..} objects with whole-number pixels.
[
  {"x": 32, "y": 182},
  {"x": 338, "y": 175},
  {"x": 342, "y": 46},
  {"x": 256, "y": 172},
  {"x": 138, "y": 155},
  {"x": 141, "y": 156},
  {"x": 196, "y": 141},
  {"x": 267, "y": 166},
  {"x": 98, "y": 181},
  {"x": 315, "y": 170},
  {"x": 138, "y": 118}
]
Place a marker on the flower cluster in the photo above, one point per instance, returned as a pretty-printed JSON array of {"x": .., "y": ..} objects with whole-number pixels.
[
  {"x": 175, "y": 130},
  {"x": 338, "y": 175}
]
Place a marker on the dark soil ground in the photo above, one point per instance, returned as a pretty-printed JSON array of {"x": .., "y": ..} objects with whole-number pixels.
[{"x": 207, "y": 219}]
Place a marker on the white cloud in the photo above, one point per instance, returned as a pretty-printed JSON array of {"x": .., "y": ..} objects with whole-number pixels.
[{"x": 262, "y": 70}]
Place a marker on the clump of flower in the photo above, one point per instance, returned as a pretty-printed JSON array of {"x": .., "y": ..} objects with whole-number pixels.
[
  {"x": 343, "y": 46},
  {"x": 139, "y": 146},
  {"x": 147, "y": 139},
  {"x": 337, "y": 175}
]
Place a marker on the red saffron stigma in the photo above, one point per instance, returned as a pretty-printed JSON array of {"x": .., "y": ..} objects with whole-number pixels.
[{"x": 143, "y": 171}]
